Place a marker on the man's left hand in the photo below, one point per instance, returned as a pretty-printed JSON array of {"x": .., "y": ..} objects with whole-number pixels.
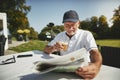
[{"x": 88, "y": 72}]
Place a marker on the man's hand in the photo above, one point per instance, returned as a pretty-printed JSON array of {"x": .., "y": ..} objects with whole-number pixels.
[
  {"x": 59, "y": 46},
  {"x": 88, "y": 72},
  {"x": 91, "y": 70},
  {"x": 49, "y": 49}
]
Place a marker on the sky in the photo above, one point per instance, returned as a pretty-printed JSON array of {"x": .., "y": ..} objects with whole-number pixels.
[{"x": 45, "y": 11}]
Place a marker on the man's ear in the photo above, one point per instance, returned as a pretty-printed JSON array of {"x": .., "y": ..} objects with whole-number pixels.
[{"x": 78, "y": 24}]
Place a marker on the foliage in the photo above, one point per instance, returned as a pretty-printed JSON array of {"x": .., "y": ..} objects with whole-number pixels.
[
  {"x": 103, "y": 28},
  {"x": 85, "y": 24},
  {"x": 33, "y": 34},
  {"x": 94, "y": 24},
  {"x": 52, "y": 29},
  {"x": 115, "y": 29},
  {"x": 17, "y": 20},
  {"x": 50, "y": 24},
  {"x": 98, "y": 26},
  {"x": 42, "y": 35},
  {"x": 17, "y": 11},
  {"x": 16, "y": 14}
]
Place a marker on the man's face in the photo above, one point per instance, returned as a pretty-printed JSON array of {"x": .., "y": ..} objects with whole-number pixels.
[{"x": 71, "y": 27}]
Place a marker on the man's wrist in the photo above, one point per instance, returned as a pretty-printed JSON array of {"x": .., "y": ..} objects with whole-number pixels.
[{"x": 54, "y": 49}]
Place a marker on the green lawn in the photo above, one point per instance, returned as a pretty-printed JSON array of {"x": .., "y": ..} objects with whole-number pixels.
[
  {"x": 31, "y": 45},
  {"x": 109, "y": 42},
  {"x": 39, "y": 45}
]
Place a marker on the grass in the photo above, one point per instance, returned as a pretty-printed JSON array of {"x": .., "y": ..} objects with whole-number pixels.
[
  {"x": 109, "y": 42},
  {"x": 31, "y": 45},
  {"x": 39, "y": 45}
]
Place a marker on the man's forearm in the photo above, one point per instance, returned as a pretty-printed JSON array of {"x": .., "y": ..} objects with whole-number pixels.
[{"x": 96, "y": 57}]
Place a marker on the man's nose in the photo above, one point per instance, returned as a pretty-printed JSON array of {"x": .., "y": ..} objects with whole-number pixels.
[{"x": 71, "y": 27}]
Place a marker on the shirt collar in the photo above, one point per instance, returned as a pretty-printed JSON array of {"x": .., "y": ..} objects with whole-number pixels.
[{"x": 75, "y": 35}]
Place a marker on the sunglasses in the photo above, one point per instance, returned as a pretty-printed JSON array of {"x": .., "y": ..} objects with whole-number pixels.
[{"x": 9, "y": 60}]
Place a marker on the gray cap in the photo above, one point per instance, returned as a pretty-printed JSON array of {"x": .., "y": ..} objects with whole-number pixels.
[{"x": 70, "y": 15}]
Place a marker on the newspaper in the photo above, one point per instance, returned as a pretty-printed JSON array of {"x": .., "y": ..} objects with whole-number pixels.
[{"x": 66, "y": 63}]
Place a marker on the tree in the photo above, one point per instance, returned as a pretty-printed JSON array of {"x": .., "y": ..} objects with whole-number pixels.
[
  {"x": 115, "y": 29},
  {"x": 33, "y": 34},
  {"x": 94, "y": 24},
  {"x": 46, "y": 31},
  {"x": 52, "y": 34},
  {"x": 85, "y": 24},
  {"x": 50, "y": 24},
  {"x": 103, "y": 27},
  {"x": 16, "y": 14},
  {"x": 17, "y": 20},
  {"x": 42, "y": 35}
]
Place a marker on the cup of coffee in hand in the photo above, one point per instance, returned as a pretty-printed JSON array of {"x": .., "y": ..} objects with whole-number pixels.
[{"x": 65, "y": 46}]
